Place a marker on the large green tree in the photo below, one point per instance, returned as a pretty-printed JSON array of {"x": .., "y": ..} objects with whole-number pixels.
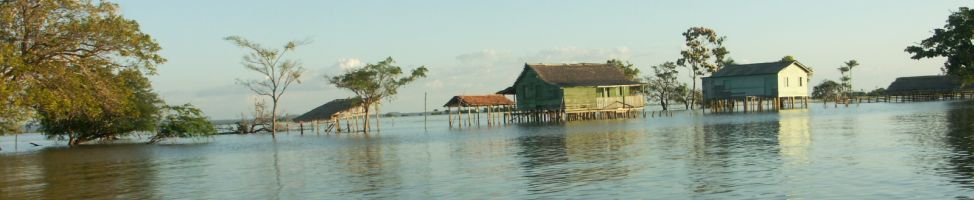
[
  {"x": 375, "y": 82},
  {"x": 137, "y": 109},
  {"x": 276, "y": 72},
  {"x": 663, "y": 85},
  {"x": 67, "y": 60},
  {"x": 955, "y": 41},
  {"x": 828, "y": 89},
  {"x": 627, "y": 68},
  {"x": 703, "y": 54}
]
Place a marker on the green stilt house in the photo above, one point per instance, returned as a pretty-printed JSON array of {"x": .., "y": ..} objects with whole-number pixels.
[{"x": 576, "y": 91}]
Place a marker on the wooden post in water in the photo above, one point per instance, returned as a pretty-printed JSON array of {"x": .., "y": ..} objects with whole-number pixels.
[{"x": 449, "y": 113}]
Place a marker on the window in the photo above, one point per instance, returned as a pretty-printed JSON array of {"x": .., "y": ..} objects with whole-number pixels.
[
  {"x": 787, "y": 83},
  {"x": 800, "y": 81}
]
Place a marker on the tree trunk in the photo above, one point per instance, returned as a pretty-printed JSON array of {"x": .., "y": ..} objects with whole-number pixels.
[
  {"x": 365, "y": 125},
  {"x": 693, "y": 97},
  {"x": 274, "y": 119},
  {"x": 662, "y": 102}
]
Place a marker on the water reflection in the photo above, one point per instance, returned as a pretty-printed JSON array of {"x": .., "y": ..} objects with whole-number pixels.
[
  {"x": 113, "y": 172},
  {"x": 794, "y": 136},
  {"x": 368, "y": 167},
  {"x": 563, "y": 157},
  {"x": 726, "y": 157},
  {"x": 960, "y": 137}
]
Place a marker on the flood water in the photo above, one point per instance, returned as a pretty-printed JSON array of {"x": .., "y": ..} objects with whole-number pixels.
[{"x": 871, "y": 151}]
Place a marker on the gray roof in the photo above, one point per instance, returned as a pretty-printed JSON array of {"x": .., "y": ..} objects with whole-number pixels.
[
  {"x": 582, "y": 74},
  {"x": 328, "y": 110},
  {"x": 757, "y": 69},
  {"x": 925, "y": 83}
]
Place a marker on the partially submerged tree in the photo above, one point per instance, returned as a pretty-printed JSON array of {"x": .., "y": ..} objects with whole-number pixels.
[
  {"x": 375, "y": 82},
  {"x": 278, "y": 73},
  {"x": 259, "y": 120},
  {"x": 955, "y": 42},
  {"x": 663, "y": 86},
  {"x": 627, "y": 68},
  {"x": 846, "y": 70},
  {"x": 828, "y": 89},
  {"x": 137, "y": 109},
  {"x": 703, "y": 54},
  {"x": 60, "y": 60},
  {"x": 183, "y": 121}
]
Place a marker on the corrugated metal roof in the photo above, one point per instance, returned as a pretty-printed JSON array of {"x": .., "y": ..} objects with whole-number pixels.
[
  {"x": 756, "y": 69},
  {"x": 480, "y": 100},
  {"x": 582, "y": 74}
]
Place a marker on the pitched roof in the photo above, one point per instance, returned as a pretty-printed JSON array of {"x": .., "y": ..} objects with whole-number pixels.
[
  {"x": 482, "y": 100},
  {"x": 582, "y": 74},
  {"x": 328, "y": 110},
  {"x": 508, "y": 90},
  {"x": 925, "y": 83},
  {"x": 757, "y": 69}
]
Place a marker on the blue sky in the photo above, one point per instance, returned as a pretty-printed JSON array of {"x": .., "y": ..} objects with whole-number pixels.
[{"x": 476, "y": 47}]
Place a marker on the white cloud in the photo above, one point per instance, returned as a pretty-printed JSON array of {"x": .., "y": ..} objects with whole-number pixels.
[
  {"x": 576, "y": 55},
  {"x": 434, "y": 84},
  {"x": 349, "y": 63}
]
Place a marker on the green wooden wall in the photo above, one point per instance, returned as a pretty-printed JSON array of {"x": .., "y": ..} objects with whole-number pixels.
[{"x": 534, "y": 93}]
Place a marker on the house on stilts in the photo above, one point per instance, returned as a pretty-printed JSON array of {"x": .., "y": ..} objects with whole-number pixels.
[
  {"x": 331, "y": 116},
  {"x": 568, "y": 92},
  {"x": 757, "y": 87},
  {"x": 928, "y": 88}
]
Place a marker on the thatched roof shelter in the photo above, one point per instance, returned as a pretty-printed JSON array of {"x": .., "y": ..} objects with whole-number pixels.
[
  {"x": 912, "y": 84},
  {"x": 581, "y": 74},
  {"x": 335, "y": 109},
  {"x": 482, "y": 100}
]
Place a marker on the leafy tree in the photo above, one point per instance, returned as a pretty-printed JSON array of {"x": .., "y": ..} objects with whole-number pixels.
[
  {"x": 375, "y": 82},
  {"x": 59, "y": 56},
  {"x": 955, "y": 41},
  {"x": 183, "y": 121},
  {"x": 627, "y": 68},
  {"x": 278, "y": 73},
  {"x": 138, "y": 110},
  {"x": 663, "y": 86},
  {"x": 729, "y": 61},
  {"x": 686, "y": 96},
  {"x": 877, "y": 92},
  {"x": 846, "y": 79},
  {"x": 828, "y": 89},
  {"x": 259, "y": 120},
  {"x": 704, "y": 54},
  {"x": 788, "y": 58}
]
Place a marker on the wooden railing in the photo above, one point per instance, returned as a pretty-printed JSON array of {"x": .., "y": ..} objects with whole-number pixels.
[{"x": 633, "y": 101}]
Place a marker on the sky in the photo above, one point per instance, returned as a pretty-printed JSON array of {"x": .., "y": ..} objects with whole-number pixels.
[{"x": 479, "y": 47}]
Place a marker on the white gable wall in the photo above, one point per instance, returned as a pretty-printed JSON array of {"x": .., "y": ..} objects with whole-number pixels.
[{"x": 792, "y": 82}]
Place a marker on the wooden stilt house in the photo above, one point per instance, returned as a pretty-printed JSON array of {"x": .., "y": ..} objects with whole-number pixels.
[
  {"x": 927, "y": 88},
  {"x": 560, "y": 92},
  {"x": 758, "y": 86}
]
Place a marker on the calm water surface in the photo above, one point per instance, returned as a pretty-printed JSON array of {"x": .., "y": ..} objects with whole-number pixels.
[{"x": 873, "y": 151}]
